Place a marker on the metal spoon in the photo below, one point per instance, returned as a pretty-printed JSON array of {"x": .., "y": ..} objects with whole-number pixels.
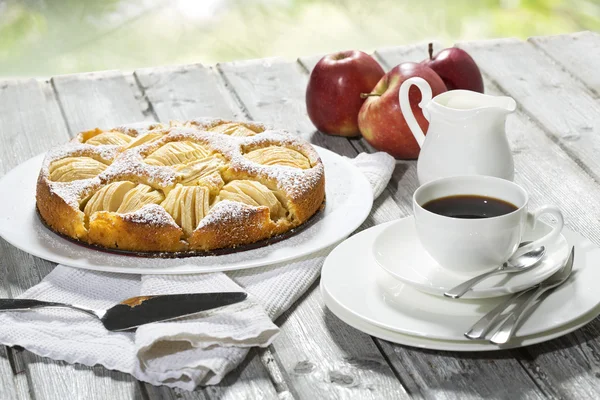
[
  {"x": 520, "y": 264},
  {"x": 481, "y": 328},
  {"x": 508, "y": 328}
]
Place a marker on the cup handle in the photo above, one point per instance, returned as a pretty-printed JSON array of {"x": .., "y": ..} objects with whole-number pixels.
[
  {"x": 532, "y": 219},
  {"x": 426, "y": 96}
]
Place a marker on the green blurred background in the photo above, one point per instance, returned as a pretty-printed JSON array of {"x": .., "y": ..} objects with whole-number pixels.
[{"x": 49, "y": 37}]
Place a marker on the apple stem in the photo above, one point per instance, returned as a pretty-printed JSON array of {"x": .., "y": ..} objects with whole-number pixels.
[
  {"x": 430, "y": 49},
  {"x": 365, "y": 95}
]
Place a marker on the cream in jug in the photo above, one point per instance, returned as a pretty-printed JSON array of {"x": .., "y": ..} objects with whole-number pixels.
[{"x": 466, "y": 134}]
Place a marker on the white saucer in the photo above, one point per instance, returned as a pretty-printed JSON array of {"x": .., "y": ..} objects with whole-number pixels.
[
  {"x": 350, "y": 277},
  {"x": 449, "y": 345},
  {"x": 399, "y": 252},
  {"x": 349, "y": 201}
]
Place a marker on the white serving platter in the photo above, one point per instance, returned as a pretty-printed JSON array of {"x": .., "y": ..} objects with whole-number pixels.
[{"x": 348, "y": 203}]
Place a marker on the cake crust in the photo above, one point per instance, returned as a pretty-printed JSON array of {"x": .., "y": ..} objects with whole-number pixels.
[{"x": 188, "y": 186}]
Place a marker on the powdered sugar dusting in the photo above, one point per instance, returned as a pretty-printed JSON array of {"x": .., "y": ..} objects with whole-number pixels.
[
  {"x": 206, "y": 123},
  {"x": 140, "y": 128},
  {"x": 347, "y": 200},
  {"x": 74, "y": 192},
  {"x": 224, "y": 211},
  {"x": 128, "y": 164},
  {"x": 105, "y": 154},
  {"x": 151, "y": 214}
]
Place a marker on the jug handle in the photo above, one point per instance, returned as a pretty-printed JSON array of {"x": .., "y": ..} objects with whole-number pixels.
[{"x": 409, "y": 117}]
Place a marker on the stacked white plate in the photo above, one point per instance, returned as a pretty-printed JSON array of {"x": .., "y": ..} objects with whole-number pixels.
[{"x": 382, "y": 282}]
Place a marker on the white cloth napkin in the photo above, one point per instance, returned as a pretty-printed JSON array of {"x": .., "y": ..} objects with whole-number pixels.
[{"x": 196, "y": 350}]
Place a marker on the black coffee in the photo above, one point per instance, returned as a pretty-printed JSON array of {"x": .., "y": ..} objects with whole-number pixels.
[{"x": 469, "y": 206}]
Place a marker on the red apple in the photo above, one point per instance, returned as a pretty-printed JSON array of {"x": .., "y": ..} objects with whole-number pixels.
[
  {"x": 380, "y": 120},
  {"x": 333, "y": 92},
  {"x": 456, "y": 68}
]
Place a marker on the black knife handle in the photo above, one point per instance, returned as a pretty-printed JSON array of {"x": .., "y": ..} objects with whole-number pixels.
[{"x": 27, "y": 304}]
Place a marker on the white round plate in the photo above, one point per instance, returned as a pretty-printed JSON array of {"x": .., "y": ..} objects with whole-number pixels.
[
  {"x": 399, "y": 252},
  {"x": 449, "y": 345},
  {"x": 348, "y": 202},
  {"x": 351, "y": 277}
]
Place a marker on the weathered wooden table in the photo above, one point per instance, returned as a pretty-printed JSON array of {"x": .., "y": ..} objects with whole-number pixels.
[{"x": 555, "y": 136}]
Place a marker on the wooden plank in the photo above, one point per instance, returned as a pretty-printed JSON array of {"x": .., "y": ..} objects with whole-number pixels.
[
  {"x": 97, "y": 108},
  {"x": 577, "y": 53},
  {"x": 328, "y": 358},
  {"x": 263, "y": 85},
  {"x": 542, "y": 165},
  {"x": 325, "y": 358},
  {"x": 19, "y": 271},
  {"x": 295, "y": 343},
  {"x": 166, "y": 90},
  {"x": 80, "y": 382},
  {"x": 279, "y": 83},
  {"x": 560, "y": 104},
  {"x": 282, "y": 90},
  {"x": 309, "y": 62},
  {"x": 403, "y": 184},
  {"x": 277, "y": 376},
  {"x": 31, "y": 123},
  {"x": 97, "y": 99},
  {"x": 8, "y": 387},
  {"x": 389, "y": 57},
  {"x": 519, "y": 136},
  {"x": 24, "y": 108},
  {"x": 444, "y": 376},
  {"x": 20, "y": 376},
  {"x": 181, "y": 92},
  {"x": 539, "y": 175},
  {"x": 551, "y": 176},
  {"x": 50, "y": 379},
  {"x": 567, "y": 366},
  {"x": 188, "y": 83}
]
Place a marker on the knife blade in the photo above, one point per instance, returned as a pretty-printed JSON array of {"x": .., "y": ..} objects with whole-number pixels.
[{"x": 140, "y": 310}]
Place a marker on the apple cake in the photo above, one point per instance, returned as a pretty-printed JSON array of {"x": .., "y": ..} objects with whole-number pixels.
[{"x": 181, "y": 187}]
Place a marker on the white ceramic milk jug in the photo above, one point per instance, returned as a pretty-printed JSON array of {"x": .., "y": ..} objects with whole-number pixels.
[{"x": 466, "y": 134}]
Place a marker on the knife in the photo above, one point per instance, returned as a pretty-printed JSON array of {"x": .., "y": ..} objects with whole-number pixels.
[{"x": 140, "y": 310}]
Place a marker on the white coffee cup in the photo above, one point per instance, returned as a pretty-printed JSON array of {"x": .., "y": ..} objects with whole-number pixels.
[{"x": 472, "y": 246}]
